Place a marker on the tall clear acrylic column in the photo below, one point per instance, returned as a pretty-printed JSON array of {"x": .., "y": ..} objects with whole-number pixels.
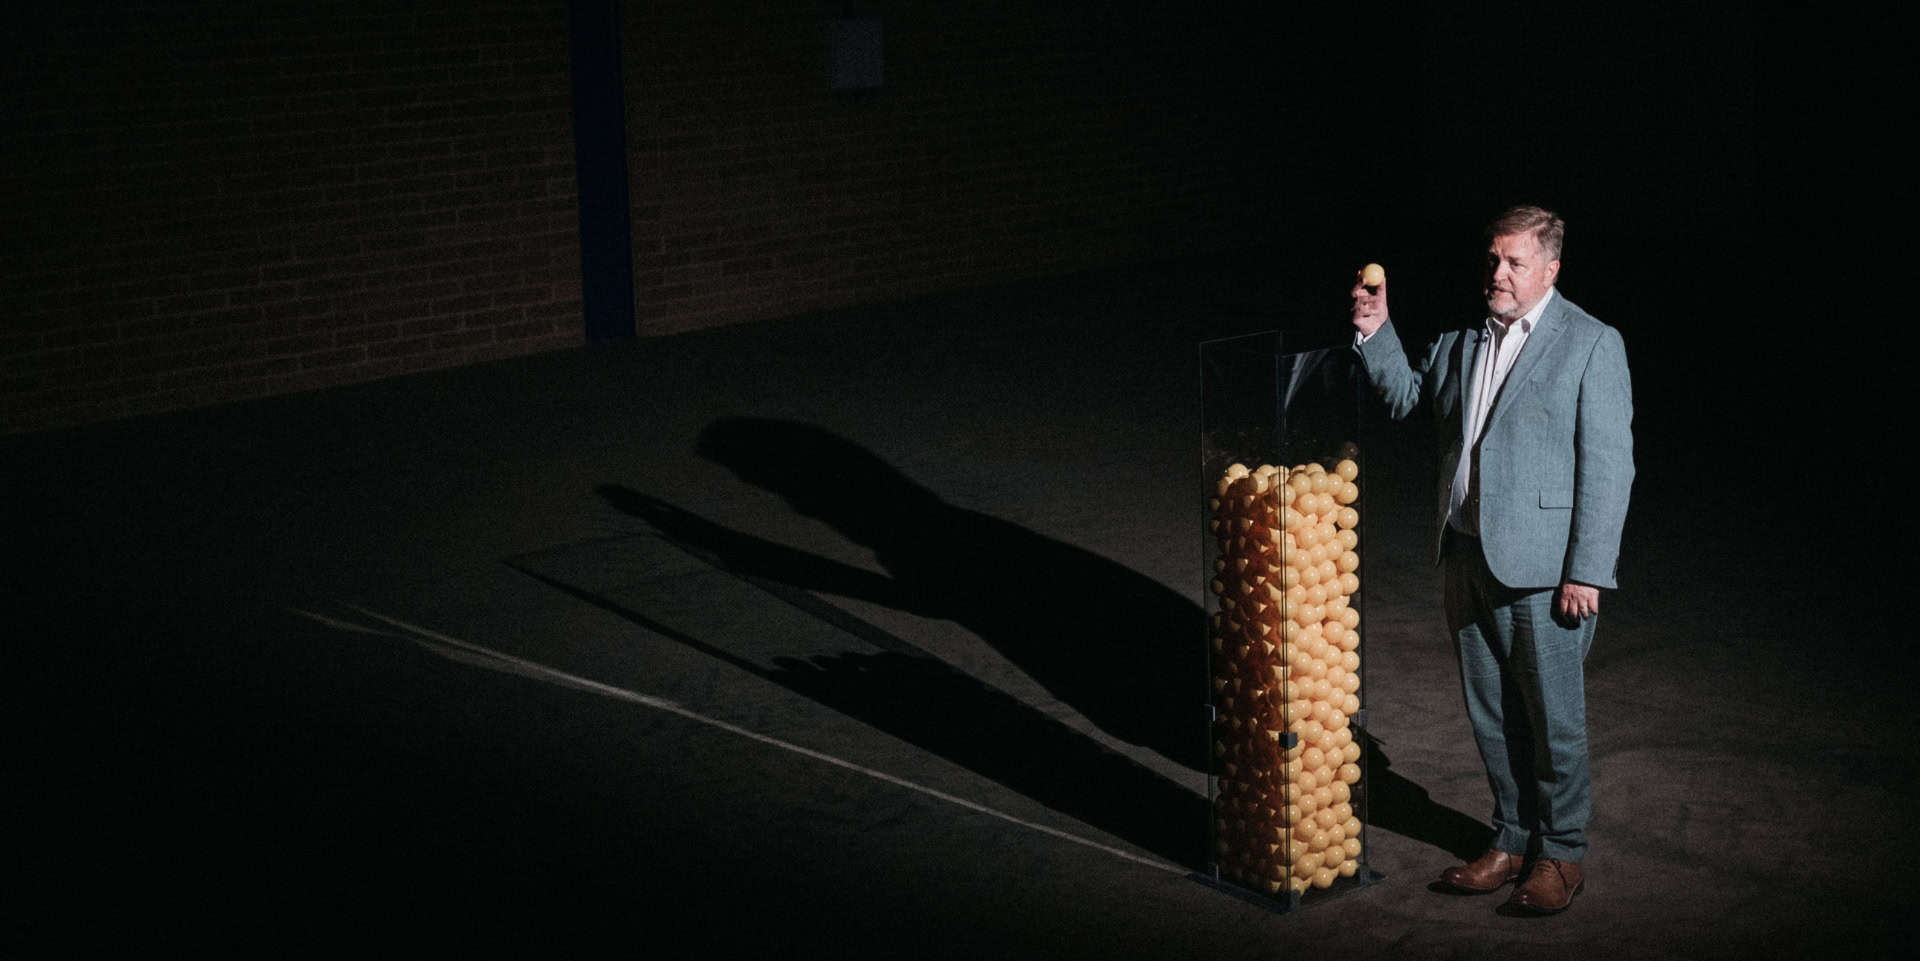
[{"x": 1281, "y": 481}]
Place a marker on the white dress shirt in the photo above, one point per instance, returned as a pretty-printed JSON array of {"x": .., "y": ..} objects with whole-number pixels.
[{"x": 1500, "y": 346}]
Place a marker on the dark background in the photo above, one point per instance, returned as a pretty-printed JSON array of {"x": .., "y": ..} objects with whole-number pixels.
[
  {"x": 230, "y": 230},
  {"x": 210, "y": 201}
]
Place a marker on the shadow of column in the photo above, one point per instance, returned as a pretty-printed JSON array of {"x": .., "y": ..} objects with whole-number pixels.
[
  {"x": 926, "y": 702},
  {"x": 1122, "y": 649}
]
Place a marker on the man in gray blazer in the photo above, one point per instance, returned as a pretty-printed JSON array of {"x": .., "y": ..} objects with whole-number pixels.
[{"x": 1535, "y": 412}]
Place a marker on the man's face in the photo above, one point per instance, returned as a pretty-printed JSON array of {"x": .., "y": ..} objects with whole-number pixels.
[{"x": 1518, "y": 275}]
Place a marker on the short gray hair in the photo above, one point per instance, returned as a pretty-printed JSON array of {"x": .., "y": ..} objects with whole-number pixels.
[{"x": 1548, "y": 230}]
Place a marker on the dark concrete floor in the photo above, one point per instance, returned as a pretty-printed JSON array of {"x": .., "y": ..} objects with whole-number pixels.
[{"x": 874, "y": 634}]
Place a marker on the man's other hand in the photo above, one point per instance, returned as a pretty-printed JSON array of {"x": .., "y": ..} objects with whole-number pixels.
[{"x": 1575, "y": 603}]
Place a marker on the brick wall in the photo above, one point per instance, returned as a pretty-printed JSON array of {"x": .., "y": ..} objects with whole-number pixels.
[
  {"x": 1010, "y": 140},
  {"x": 214, "y": 200},
  {"x": 218, "y": 200}
]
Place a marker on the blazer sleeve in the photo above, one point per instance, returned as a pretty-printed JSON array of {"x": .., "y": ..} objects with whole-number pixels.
[
  {"x": 1603, "y": 465},
  {"x": 1399, "y": 384}
]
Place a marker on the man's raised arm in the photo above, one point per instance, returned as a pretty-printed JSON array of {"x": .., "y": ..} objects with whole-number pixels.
[{"x": 1397, "y": 383}]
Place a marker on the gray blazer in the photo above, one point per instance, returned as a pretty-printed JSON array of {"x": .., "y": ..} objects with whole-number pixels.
[{"x": 1556, "y": 457}]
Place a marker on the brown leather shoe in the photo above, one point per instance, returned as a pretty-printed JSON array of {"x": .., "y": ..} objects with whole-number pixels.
[
  {"x": 1549, "y": 887},
  {"x": 1485, "y": 874}
]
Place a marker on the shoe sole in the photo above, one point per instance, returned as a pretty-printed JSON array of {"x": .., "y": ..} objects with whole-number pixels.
[
  {"x": 1463, "y": 889},
  {"x": 1543, "y": 909}
]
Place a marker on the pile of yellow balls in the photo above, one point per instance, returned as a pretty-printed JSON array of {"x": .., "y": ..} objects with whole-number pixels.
[{"x": 1286, "y": 660}]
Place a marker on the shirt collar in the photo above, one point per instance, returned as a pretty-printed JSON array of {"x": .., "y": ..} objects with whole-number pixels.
[{"x": 1526, "y": 321}]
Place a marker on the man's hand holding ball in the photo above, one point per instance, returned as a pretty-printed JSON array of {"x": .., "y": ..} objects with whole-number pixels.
[{"x": 1370, "y": 299}]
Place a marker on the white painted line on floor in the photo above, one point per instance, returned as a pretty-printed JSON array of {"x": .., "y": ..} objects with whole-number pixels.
[{"x": 467, "y": 652}]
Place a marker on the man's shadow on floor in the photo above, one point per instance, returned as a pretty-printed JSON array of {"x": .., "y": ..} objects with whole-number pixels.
[{"x": 1125, "y": 651}]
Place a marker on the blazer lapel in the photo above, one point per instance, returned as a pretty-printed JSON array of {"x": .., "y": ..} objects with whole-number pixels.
[
  {"x": 1469, "y": 368},
  {"x": 1552, "y": 321}
]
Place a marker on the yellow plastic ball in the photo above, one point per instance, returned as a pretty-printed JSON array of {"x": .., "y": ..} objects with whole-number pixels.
[
  {"x": 1324, "y": 877},
  {"x": 1350, "y": 773},
  {"x": 1308, "y": 536},
  {"x": 1296, "y": 594},
  {"x": 1313, "y": 640},
  {"x": 1325, "y": 795},
  {"x": 1298, "y": 658}
]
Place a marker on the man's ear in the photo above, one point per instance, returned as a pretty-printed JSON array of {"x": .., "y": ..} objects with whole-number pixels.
[{"x": 1553, "y": 272}]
